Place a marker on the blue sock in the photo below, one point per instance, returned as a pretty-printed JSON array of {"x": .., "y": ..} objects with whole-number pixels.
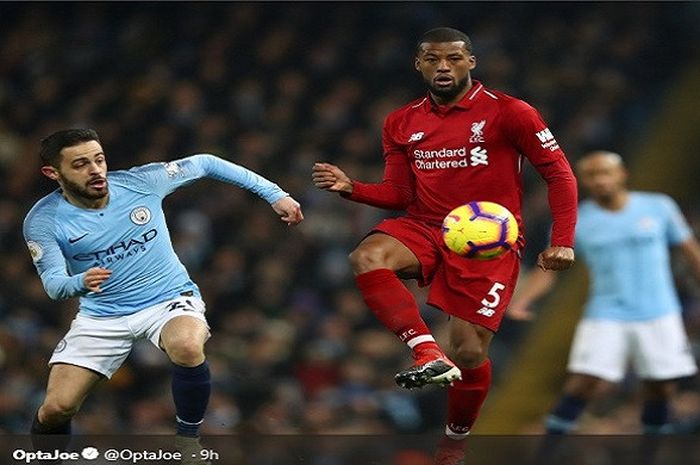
[
  {"x": 655, "y": 417},
  {"x": 563, "y": 418},
  {"x": 191, "y": 388},
  {"x": 40, "y": 428},
  {"x": 49, "y": 438}
]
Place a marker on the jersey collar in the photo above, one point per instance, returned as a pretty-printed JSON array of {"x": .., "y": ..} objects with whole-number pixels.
[{"x": 465, "y": 104}]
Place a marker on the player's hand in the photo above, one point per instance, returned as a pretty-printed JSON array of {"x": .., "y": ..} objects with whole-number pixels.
[
  {"x": 289, "y": 210},
  {"x": 556, "y": 258},
  {"x": 331, "y": 178},
  {"x": 94, "y": 277},
  {"x": 520, "y": 311}
]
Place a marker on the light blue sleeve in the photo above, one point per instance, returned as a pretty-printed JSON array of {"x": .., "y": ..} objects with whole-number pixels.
[
  {"x": 677, "y": 228},
  {"x": 164, "y": 178},
  {"x": 48, "y": 258}
]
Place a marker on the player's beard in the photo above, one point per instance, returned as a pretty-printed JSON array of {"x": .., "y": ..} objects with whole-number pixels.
[
  {"x": 447, "y": 93},
  {"x": 605, "y": 197},
  {"x": 85, "y": 192}
]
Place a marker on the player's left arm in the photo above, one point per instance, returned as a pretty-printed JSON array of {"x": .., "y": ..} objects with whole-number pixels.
[
  {"x": 164, "y": 178},
  {"x": 680, "y": 235},
  {"x": 530, "y": 288},
  {"x": 531, "y": 136},
  {"x": 690, "y": 249}
]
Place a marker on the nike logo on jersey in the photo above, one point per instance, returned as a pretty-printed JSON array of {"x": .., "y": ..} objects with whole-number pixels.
[{"x": 73, "y": 240}]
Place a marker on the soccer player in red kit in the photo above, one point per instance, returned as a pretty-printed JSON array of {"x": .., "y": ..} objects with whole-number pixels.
[{"x": 462, "y": 142}]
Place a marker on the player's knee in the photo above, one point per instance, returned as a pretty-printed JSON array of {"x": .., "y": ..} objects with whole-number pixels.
[
  {"x": 185, "y": 352},
  {"x": 584, "y": 386},
  {"x": 367, "y": 258},
  {"x": 58, "y": 411},
  {"x": 467, "y": 355}
]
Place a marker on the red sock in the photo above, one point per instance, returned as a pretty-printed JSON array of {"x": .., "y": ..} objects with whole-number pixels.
[
  {"x": 394, "y": 305},
  {"x": 465, "y": 398}
]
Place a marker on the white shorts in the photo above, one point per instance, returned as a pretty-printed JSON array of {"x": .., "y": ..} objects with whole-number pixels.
[
  {"x": 102, "y": 344},
  {"x": 657, "y": 349}
]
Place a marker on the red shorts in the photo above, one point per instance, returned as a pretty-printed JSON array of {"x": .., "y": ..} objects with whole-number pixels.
[{"x": 477, "y": 291}]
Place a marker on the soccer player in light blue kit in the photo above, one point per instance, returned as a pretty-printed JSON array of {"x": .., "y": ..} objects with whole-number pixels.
[
  {"x": 633, "y": 313},
  {"x": 102, "y": 236}
]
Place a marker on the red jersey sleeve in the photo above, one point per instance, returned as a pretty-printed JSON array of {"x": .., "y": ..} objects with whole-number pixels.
[
  {"x": 530, "y": 134},
  {"x": 396, "y": 190}
]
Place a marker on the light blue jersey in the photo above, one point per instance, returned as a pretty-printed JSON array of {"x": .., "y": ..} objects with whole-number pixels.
[
  {"x": 628, "y": 257},
  {"x": 129, "y": 236}
]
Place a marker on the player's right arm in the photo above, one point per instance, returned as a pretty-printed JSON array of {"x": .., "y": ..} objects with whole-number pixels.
[
  {"x": 394, "y": 192},
  {"x": 39, "y": 234}
]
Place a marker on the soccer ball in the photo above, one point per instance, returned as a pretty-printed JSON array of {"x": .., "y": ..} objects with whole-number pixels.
[{"x": 481, "y": 230}]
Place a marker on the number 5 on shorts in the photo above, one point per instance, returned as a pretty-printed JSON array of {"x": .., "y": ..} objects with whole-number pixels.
[{"x": 491, "y": 301}]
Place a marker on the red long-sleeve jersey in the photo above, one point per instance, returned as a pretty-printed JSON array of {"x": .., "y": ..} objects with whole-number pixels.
[{"x": 437, "y": 158}]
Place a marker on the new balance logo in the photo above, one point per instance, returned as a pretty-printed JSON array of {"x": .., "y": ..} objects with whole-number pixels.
[
  {"x": 479, "y": 156},
  {"x": 547, "y": 139},
  {"x": 487, "y": 312},
  {"x": 416, "y": 136}
]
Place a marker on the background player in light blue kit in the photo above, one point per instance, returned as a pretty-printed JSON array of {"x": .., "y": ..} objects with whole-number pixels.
[
  {"x": 633, "y": 313},
  {"x": 103, "y": 236}
]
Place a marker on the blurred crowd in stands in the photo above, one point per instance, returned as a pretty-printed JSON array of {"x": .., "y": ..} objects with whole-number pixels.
[{"x": 276, "y": 87}]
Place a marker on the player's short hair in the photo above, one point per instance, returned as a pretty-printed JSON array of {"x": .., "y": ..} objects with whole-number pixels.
[
  {"x": 444, "y": 34},
  {"x": 52, "y": 145},
  {"x": 614, "y": 157}
]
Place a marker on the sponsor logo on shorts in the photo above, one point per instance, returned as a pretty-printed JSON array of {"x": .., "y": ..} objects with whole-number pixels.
[
  {"x": 185, "y": 305},
  {"x": 487, "y": 312},
  {"x": 61, "y": 346}
]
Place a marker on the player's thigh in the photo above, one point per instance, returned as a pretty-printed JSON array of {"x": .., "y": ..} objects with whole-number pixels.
[
  {"x": 94, "y": 343},
  {"x": 175, "y": 322},
  {"x": 380, "y": 250},
  {"x": 582, "y": 385},
  {"x": 600, "y": 348},
  {"x": 658, "y": 390},
  {"x": 409, "y": 247},
  {"x": 663, "y": 351},
  {"x": 476, "y": 291},
  {"x": 68, "y": 385},
  {"x": 184, "y": 329}
]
